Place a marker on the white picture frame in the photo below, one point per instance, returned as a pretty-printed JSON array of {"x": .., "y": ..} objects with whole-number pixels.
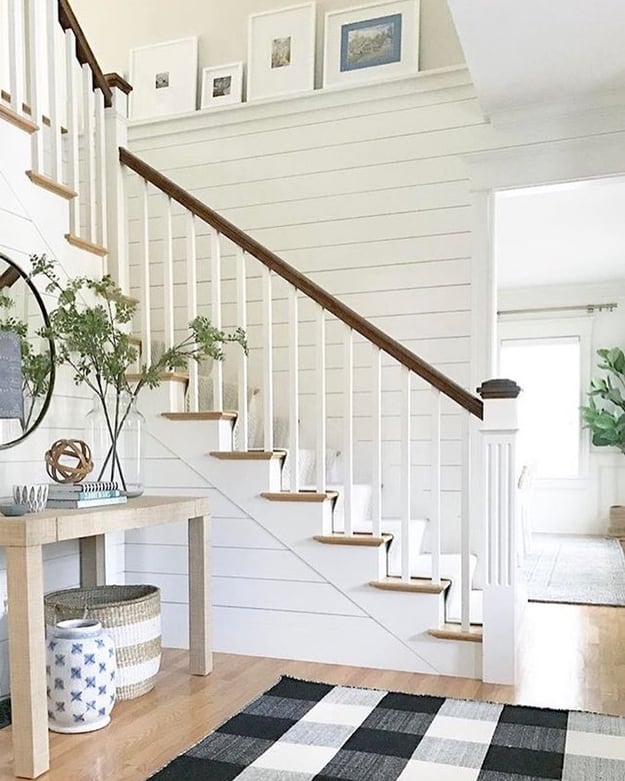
[
  {"x": 281, "y": 52},
  {"x": 164, "y": 79},
  {"x": 373, "y": 42},
  {"x": 222, "y": 85}
]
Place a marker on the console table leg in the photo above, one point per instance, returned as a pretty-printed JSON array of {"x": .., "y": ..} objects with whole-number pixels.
[
  {"x": 93, "y": 561},
  {"x": 27, "y": 661},
  {"x": 200, "y": 641}
]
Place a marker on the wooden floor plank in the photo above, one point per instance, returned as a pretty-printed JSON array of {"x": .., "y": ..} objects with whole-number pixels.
[{"x": 572, "y": 658}]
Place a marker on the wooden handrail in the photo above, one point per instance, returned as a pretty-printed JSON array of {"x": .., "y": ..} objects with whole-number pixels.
[
  {"x": 348, "y": 316},
  {"x": 68, "y": 21}
]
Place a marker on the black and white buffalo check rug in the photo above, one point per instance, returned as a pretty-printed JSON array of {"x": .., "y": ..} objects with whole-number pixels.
[{"x": 300, "y": 731}]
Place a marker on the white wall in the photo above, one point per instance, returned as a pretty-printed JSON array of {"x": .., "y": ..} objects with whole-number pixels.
[
  {"x": 116, "y": 27},
  {"x": 577, "y": 505}
]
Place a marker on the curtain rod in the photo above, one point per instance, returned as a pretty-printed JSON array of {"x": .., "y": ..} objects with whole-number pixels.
[{"x": 588, "y": 308}]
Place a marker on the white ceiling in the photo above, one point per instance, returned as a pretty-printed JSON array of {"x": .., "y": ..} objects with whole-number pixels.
[
  {"x": 526, "y": 52},
  {"x": 562, "y": 234}
]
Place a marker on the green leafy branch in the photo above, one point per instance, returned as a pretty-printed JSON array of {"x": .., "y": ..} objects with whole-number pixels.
[
  {"x": 93, "y": 340},
  {"x": 604, "y": 414}
]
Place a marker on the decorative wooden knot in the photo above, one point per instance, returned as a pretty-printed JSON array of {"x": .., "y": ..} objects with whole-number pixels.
[{"x": 74, "y": 449}]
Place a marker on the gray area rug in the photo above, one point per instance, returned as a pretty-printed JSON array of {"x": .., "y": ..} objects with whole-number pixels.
[{"x": 576, "y": 570}]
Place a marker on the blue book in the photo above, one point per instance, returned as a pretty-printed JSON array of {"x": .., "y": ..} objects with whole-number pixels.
[{"x": 80, "y": 495}]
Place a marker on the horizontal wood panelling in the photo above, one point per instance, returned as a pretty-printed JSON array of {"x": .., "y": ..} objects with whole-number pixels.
[
  {"x": 225, "y": 532},
  {"x": 227, "y": 562},
  {"x": 377, "y": 126}
]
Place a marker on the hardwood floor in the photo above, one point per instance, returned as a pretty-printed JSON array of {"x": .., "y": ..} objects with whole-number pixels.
[{"x": 573, "y": 657}]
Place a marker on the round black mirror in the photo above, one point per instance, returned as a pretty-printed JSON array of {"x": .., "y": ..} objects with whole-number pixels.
[{"x": 27, "y": 369}]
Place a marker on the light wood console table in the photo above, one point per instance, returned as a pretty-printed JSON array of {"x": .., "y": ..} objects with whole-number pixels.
[{"x": 24, "y": 537}]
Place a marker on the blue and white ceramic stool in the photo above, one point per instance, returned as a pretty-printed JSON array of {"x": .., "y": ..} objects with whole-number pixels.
[{"x": 80, "y": 670}]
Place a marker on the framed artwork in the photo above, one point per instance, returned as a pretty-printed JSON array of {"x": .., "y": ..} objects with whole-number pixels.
[
  {"x": 164, "y": 79},
  {"x": 371, "y": 43},
  {"x": 222, "y": 85},
  {"x": 281, "y": 52}
]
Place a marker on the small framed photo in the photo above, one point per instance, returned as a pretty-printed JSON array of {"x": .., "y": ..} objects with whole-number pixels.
[
  {"x": 164, "y": 79},
  {"x": 222, "y": 85},
  {"x": 371, "y": 43},
  {"x": 281, "y": 52}
]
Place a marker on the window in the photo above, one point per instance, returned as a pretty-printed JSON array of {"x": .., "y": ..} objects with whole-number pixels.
[{"x": 549, "y": 372}]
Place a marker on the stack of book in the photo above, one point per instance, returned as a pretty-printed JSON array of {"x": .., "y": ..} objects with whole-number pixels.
[{"x": 92, "y": 493}]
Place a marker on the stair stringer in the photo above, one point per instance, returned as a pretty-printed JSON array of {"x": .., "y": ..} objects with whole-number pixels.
[{"x": 403, "y": 617}]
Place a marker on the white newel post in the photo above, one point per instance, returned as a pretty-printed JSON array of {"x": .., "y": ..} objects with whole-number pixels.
[
  {"x": 116, "y": 124},
  {"x": 503, "y": 593}
]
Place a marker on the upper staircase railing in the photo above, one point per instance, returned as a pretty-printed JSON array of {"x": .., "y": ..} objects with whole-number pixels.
[{"x": 54, "y": 89}]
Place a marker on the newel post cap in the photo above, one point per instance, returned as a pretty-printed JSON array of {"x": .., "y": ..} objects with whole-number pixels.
[{"x": 499, "y": 389}]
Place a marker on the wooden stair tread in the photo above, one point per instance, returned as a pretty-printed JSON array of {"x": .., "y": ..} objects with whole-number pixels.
[
  {"x": 359, "y": 539},
  {"x": 454, "y": 632},
  {"x": 298, "y": 496},
  {"x": 88, "y": 246},
  {"x": 18, "y": 120},
  {"x": 248, "y": 455},
  {"x": 414, "y": 585},
  {"x": 51, "y": 185},
  {"x": 164, "y": 376},
  {"x": 206, "y": 415}
]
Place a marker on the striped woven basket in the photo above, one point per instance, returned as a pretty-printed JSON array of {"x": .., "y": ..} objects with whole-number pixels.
[{"x": 131, "y": 615}]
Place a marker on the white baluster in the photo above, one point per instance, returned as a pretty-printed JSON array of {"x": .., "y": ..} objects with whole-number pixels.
[
  {"x": 34, "y": 85},
  {"x": 89, "y": 153},
  {"x": 146, "y": 289},
  {"x": 320, "y": 339},
  {"x": 72, "y": 131},
  {"x": 348, "y": 429},
  {"x": 502, "y": 599},
  {"x": 116, "y": 134},
  {"x": 100, "y": 156},
  {"x": 56, "y": 156},
  {"x": 465, "y": 524},
  {"x": 376, "y": 442},
  {"x": 435, "y": 487},
  {"x": 168, "y": 276},
  {"x": 218, "y": 371},
  {"x": 267, "y": 360},
  {"x": 405, "y": 476},
  {"x": 16, "y": 54},
  {"x": 191, "y": 259},
  {"x": 294, "y": 455},
  {"x": 242, "y": 417}
]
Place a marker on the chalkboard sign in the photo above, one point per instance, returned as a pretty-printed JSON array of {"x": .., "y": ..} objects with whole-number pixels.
[{"x": 11, "y": 398}]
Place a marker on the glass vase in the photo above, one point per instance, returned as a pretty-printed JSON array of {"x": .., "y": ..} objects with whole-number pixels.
[{"x": 116, "y": 439}]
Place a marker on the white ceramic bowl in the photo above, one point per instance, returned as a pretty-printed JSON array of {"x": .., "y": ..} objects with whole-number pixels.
[{"x": 33, "y": 495}]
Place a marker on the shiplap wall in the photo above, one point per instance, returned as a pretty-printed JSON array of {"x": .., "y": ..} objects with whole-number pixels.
[{"x": 364, "y": 191}]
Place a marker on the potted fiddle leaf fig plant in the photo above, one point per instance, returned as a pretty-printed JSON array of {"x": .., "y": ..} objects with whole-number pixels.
[
  {"x": 93, "y": 339},
  {"x": 604, "y": 415}
]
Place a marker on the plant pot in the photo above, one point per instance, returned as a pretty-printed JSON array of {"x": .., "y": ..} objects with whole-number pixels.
[
  {"x": 80, "y": 670},
  {"x": 617, "y": 521}
]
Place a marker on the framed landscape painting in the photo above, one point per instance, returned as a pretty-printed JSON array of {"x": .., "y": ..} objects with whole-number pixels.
[
  {"x": 222, "y": 85},
  {"x": 164, "y": 79},
  {"x": 371, "y": 43},
  {"x": 281, "y": 52}
]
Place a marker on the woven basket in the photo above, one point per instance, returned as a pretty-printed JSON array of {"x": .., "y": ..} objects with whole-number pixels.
[{"x": 131, "y": 615}]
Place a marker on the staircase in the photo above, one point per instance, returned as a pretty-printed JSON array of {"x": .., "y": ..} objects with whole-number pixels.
[{"x": 384, "y": 482}]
